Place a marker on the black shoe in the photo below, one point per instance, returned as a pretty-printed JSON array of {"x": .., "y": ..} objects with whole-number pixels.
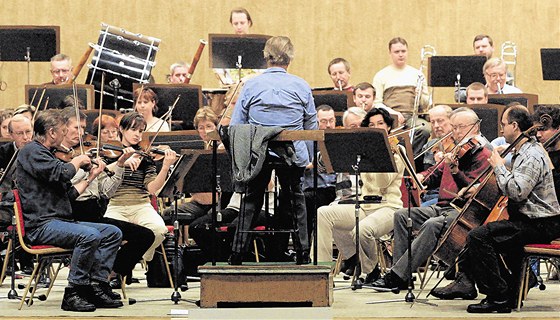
[
  {"x": 373, "y": 276},
  {"x": 108, "y": 291},
  {"x": 490, "y": 306},
  {"x": 462, "y": 288},
  {"x": 72, "y": 301},
  {"x": 27, "y": 270},
  {"x": 302, "y": 257},
  {"x": 348, "y": 265},
  {"x": 116, "y": 283},
  {"x": 390, "y": 282},
  {"x": 100, "y": 299},
  {"x": 236, "y": 259}
]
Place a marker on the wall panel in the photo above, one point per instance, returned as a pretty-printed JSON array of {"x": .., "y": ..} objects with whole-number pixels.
[{"x": 320, "y": 30}]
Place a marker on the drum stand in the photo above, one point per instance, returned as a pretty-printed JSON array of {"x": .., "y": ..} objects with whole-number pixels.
[{"x": 409, "y": 297}]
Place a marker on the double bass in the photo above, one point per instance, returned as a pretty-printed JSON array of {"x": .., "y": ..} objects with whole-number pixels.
[{"x": 476, "y": 210}]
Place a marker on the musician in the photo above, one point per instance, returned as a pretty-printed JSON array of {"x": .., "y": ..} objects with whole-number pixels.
[
  {"x": 339, "y": 70},
  {"x": 5, "y": 117},
  {"x": 396, "y": 87},
  {"x": 483, "y": 45},
  {"x": 20, "y": 130},
  {"x": 326, "y": 183},
  {"x": 363, "y": 96},
  {"x": 178, "y": 72},
  {"x": 353, "y": 117},
  {"x": 376, "y": 219},
  {"x": 61, "y": 69},
  {"x": 441, "y": 126},
  {"x": 240, "y": 20},
  {"x": 431, "y": 222},
  {"x": 145, "y": 103},
  {"x": 45, "y": 191},
  {"x": 534, "y": 217},
  {"x": 131, "y": 201},
  {"x": 109, "y": 128},
  {"x": 277, "y": 99},
  {"x": 548, "y": 132},
  {"x": 495, "y": 71},
  {"x": 477, "y": 93},
  {"x": 92, "y": 203}
]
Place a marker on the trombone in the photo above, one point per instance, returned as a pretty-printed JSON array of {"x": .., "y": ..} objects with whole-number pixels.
[{"x": 426, "y": 52}]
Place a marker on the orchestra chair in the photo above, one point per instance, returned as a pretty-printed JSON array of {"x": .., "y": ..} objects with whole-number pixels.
[
  {"x": 45, "y": 255},
  {"x": 225, "y": 229},
  {"x": 532, "y": 251}
]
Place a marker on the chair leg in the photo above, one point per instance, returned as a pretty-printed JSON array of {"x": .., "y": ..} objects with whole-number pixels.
[
  {"x": 123, "y": 285},
  {"x": 34, "y": 275},
  {"x": 53, "y": 279},
  {"x": 6, "y": 261},
  {"x": 167, "y": 266},
  {"x": 255, "y": 246},
  {"x": 524, "y": 282},
  {"x": 337, "y": 265}
]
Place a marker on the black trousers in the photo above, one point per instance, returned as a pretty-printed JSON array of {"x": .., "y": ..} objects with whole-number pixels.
[
  {"x": 324, "y": 197},
  {"x": 291, "y": 212},
  {"x": 507, "y": 237},
  {"x": 137, "y": 238}
]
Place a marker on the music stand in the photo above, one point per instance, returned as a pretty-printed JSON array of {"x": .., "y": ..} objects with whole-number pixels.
[
  {"x": 368, "y": 151},
  {"x": 187, "y": 106},
  {"x": 550, "y": 61},
  {"x": 29, "y": 43},
  {"x": 455, "y": 71},
  {"x": 229, "y": 51},
  {"x": 57, "y": 93}
]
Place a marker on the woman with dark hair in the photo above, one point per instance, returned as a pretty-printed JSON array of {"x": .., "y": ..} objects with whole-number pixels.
[{"x": 132, "y": 201}]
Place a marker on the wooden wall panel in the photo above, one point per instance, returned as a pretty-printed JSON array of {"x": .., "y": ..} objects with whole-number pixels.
[{"x": 320, "y": 30}]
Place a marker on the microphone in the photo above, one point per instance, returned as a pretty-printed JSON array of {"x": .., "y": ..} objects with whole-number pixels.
[
  {"x": 28, "y": 54},
  {"x": 499, "y": 88},
  {"x": 238, "y": 64}
]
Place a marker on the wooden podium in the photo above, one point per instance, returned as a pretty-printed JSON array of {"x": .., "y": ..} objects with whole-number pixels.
[{"x": 265, "y": 285}]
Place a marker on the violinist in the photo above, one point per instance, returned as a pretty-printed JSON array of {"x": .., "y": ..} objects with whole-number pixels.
[
  {"x": 547, "y": 133},
  {"x": 337, "y": 220},
  {"x": 534, "y": 217},
  {"x": 91, "y": 204},
  {"x": 145, "y": 103},
  {"x": 457, "y": 170},
  {"x": 436, "y": 147},
  {"x": 131, "y": 202},
  {"x": 5, "y": 117},
  {"x": 46, "y": 190},
  {"x": 109, "y": 128}
]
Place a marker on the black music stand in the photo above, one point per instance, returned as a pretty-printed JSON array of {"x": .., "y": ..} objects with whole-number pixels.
[
  {"x": 229, "y": 51},
  {"x": 368, "y": 151},
  {"x": 550, "y": 61},
  {"x": 216, "y": 180},
  {"x": 455, "y": 71},
  {"x": 187, "y": 106},
  {"x": 56, "y": 94},
  {"x": 338, "y": 100}
]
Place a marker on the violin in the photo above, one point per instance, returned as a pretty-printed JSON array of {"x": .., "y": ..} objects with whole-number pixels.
[
  {"x": 471, "y": 145},
  {"x": 114, "y": 150},
  {"x": 445, "y": 146},
  {"x": 68, "y": 155}
]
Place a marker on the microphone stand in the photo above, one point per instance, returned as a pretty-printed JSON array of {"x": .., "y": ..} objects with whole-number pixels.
[
  {"x": 238, "y": 65},
  {"x": 116, "y": 85},
  {"x": 458, "y": 88},
  {"x": 27, "y": 58}
]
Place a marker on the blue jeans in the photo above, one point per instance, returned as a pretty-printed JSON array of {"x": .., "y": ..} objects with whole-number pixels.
[{"x": 94, "y": 247}]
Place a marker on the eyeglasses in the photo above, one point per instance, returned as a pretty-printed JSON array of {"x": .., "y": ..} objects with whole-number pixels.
[
  {"x": 62, "y": 71},
  {"x": 496, "y": 75},
  {"x": 503, "y": 125},
  {"x": 108, "y": 132},
  {"x": 23, "y": 133},
  {"x": 462, "y": 126}
]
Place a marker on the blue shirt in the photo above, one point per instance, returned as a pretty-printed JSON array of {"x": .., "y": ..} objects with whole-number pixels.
[{"x": 277, "y": 98}]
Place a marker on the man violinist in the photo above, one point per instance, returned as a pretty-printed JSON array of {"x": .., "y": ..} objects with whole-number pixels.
[
  {"x": 45, "y": 190},
  {"x": 91, "y": 204},
  {"x": 534, "y": 217},
  {"x": 451, "y": 175}
]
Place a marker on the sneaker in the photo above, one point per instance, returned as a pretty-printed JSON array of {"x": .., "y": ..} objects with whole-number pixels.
[
  {"x": 462, "y": 288},
  {"x": 72, "y": 301}
]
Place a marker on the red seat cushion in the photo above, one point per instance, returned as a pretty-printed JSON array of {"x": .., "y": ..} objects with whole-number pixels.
[
  {"x": 170, "y": 229},
  {"x": 544, "y": 246}
]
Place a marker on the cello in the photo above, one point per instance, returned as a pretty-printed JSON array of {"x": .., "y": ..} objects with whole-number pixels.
[{"x": 476, "y": 210}]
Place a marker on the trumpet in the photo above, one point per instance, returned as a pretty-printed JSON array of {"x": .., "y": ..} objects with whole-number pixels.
[{"x": 509, "y": 56}]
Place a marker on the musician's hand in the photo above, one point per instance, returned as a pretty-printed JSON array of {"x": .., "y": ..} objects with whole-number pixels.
[
  {"x": 496, "y": 160},
  {"x": 452, "y": 162},
  {"x": 401, "y": 118},
  {"x": 126, "y": 154},
  {"x": 133, "y": 162},
  {"x": 420, "y": 177},
  {"x": 97, "y": 169},
  {"x": 464, "y": 193},
  {"x": 81, "y": 161},
  {"x": 438, "y": 156},
  {"x": 501, "y": 148},
  {"x": 170, "y": 157}
]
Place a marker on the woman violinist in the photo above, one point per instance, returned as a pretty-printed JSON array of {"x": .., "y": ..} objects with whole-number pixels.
[
  {"x": 145, "y": 103},
  {"x": 109, "y": 128},
  {"x": 131, "y": 201}
]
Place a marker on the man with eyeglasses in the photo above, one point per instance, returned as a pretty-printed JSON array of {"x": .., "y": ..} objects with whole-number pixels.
[
  {"x": 61, "y": 69},
  {"x": 451, "y": 175},
  {"x": 495, "y": 71}
]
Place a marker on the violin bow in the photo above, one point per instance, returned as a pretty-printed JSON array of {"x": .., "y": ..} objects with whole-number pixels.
[
  {"x": 100, "y": 114},
  {"x": 169, "y": 113}
]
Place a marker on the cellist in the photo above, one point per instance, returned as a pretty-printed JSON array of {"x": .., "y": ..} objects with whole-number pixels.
[
  {"x": 450, "y": 175},
  {"x": 534, "y": 217}
]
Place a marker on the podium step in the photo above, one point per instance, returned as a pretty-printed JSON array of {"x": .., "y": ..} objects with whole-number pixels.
[{"x": 265, "y": 285}]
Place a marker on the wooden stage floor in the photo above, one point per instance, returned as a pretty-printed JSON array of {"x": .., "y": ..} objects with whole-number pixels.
[{"x": 347, "y": 304}]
